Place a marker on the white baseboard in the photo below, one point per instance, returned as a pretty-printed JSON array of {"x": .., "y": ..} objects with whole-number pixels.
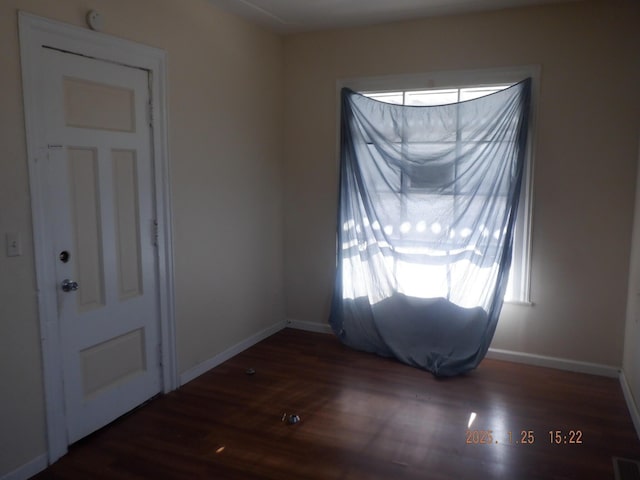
[
  {"x": 207, "y": 365},
  {"x": 631, "y": 403},
  {"x": 309, "y": 326},
  {"x": 27, "y": 470},
  {"x": 554, "y": 362}
]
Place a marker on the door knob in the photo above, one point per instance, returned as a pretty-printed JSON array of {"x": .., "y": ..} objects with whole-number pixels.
[{"x": 69, "y": 285}]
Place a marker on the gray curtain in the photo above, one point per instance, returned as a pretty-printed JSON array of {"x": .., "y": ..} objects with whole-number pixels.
[{"x": 427, "y": 208}]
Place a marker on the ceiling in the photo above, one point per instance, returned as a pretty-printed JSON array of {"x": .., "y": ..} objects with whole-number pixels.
[{"x": 289, "y": 16}]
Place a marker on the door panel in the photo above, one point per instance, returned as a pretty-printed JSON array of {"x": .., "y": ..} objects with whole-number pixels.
[
  {"x": 99, "y": 106},
  {"x": 86, "y": 226},
  {"x": 125, "y": 192},
  {"x": 111, "y": 362},
  {"x": 100, "y": 205}
]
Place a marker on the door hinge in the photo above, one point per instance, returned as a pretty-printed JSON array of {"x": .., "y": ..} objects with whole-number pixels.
[
  {"x": 159, "y": 351},
  {"x": 150, "y": 97},
  {"x": 155, "y": 229}
]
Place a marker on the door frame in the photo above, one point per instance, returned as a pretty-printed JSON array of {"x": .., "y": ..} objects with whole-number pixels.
[{"x": 36, "y": 32}]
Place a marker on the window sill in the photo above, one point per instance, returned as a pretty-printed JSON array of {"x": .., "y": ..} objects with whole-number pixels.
[{"x": 519, "y": 303}]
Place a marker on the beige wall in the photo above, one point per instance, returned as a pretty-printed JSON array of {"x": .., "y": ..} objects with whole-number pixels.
[
  {"x": 225, "y": 140},
  {"x": 586, "y": 149},
  {"x": 631, "y": 361}
]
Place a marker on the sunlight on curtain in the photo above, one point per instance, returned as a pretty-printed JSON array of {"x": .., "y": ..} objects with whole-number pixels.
[{"x": 428, "y": 199}]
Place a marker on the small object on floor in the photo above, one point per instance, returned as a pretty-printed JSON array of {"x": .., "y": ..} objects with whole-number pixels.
[
  {"x": 290, "y": 419},
  {"x": 250, "y": 371}
]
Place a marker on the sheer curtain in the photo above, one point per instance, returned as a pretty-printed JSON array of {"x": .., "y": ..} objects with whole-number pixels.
[{"x": 428, "y": 199}]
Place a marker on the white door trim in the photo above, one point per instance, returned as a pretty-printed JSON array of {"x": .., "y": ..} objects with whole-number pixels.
[{"x": 35, "y": 32}]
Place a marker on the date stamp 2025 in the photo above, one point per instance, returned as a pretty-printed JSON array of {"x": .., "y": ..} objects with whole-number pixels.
[{"x": 523, "y": 437}]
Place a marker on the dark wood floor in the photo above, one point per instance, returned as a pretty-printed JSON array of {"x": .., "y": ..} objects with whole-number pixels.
[{"x": 362, "y": 417}]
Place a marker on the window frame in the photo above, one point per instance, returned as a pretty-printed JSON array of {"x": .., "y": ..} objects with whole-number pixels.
[{"x": 520, "y": 275}]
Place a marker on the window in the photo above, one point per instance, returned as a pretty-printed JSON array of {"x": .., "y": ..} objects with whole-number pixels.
[{"x": 452, "y": 87}]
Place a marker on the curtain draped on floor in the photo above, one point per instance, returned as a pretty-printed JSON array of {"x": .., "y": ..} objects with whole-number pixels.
[{"x": 427, "y": 207}]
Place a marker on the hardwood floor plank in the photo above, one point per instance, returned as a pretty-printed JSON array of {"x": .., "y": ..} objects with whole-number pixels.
[{"x": 362, "y": 417}]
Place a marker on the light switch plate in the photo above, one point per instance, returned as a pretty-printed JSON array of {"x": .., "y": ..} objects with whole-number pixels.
[{"x": 14, "y": 248}]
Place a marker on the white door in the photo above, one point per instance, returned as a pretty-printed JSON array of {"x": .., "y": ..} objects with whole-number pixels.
[{"x": 99, "y": 204}]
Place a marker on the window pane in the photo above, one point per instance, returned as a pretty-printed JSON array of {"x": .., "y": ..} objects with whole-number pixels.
[
  {"x": 387, "y": 97},
  {"x": 431, "y": 97},
  {"x": 477, "y": 92},
  {"x": 406, "y": 220}
]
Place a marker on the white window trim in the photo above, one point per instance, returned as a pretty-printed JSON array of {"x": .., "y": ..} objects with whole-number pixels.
[{"x": 471, "y": 78}]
